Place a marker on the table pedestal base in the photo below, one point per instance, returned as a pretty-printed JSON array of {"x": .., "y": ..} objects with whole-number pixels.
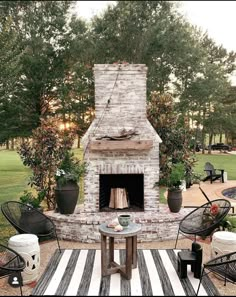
[{"x": 109, "y": 266}]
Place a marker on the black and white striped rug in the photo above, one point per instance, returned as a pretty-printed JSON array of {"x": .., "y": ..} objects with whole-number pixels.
[{"x": 78, "y": 273}]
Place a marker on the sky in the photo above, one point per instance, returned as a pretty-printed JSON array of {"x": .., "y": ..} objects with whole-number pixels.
[
  {"x": 215, "y": 17},
  {"x": 88, "y": 9}
]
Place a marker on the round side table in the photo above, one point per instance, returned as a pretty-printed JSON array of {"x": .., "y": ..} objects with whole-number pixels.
[
  {"x": 223, "y": 242},
  {"x": 28, "y": 247},
  {"x": 109, "y": 266}
]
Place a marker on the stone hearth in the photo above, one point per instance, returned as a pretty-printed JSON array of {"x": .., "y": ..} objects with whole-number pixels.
[{"x": 83, "y": 227}]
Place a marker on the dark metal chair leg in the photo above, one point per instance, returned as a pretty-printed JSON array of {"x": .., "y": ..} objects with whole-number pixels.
[
  {"x": 57, "y": 241},
  {"x": 20, "y": 277},
  {"x": 200, "y": 281},
  {"x": 176, "y": 239}
]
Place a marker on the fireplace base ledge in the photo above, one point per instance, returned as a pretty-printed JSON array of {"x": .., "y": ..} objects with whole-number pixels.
[{"x": 83, "y": 227}]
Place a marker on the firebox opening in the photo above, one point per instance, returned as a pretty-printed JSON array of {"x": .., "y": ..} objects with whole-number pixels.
[{"x": 133, "y": 184}]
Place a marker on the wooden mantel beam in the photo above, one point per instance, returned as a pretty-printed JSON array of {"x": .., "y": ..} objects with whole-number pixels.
[{"x": 116, "y": 145}]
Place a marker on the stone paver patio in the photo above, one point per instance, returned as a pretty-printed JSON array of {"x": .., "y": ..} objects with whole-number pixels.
[{"x": 191, "y": 197}]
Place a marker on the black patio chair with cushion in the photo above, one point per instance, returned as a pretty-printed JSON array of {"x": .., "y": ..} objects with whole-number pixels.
[
  {"x": 27, "y": 219},
  {"x": 11, "y": 264},
  {"x": 203, "y": 220},
  {"x": 212, "y": 173},
  {"x": 223, "y": 266}
]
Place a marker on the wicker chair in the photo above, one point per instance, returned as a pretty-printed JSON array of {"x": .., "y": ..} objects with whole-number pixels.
[
  {"x": 27, "y": 219},
  {"x": 224, "y": 266},
  {"x": 11, "y": 263},
  {"x": 194, "y": 223}
]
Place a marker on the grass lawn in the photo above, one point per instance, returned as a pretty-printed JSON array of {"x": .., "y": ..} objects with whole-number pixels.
[
  {"x": 13, "y": 181},
  {"x": 226, "y": 162},
  {"x": 14, "y": 178},
  {"x": 14, "y": 175}
]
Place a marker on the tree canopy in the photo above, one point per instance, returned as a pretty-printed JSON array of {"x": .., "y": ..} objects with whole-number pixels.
[{"x": 47, "y": 54}]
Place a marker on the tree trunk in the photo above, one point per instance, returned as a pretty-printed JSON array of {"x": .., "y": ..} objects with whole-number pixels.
[
  {"x": 12, "y": 144},
  {"x": 78, "y": 141},
  {"x": 210, "y": 143},
  {"x": 220, "y": 137},
  {"x": 203, "y": 142}
]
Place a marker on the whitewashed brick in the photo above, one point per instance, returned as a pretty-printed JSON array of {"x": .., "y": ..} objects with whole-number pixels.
[{"x": 125, "y": 86}]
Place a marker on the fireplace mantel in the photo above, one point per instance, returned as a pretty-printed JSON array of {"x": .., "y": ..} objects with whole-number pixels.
[{"x": 116, "y": 145}]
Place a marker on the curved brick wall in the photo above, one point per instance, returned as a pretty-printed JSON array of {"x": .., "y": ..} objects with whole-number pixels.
[{"x": 83, "y": 227}]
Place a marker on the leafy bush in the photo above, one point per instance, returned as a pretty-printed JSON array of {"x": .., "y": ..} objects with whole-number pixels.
[
  {"x": 44, "y": 153},
  {"x": 229, "y": 223},
  {"x": 31, "y": 199},
  {"x": 175, "y": 134},
  {"x": 173, "y": 179}
]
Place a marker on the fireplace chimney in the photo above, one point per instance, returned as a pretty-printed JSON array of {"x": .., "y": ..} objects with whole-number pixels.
[{"x": 121, "y": 147}]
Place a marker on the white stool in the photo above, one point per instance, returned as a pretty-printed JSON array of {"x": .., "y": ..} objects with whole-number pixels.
[
  {"x": 27, "y": 246},
  {"x": 223, "y": 242}
]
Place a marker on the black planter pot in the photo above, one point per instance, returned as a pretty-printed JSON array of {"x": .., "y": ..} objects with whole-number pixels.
[
  {"x": 174, "y": 200},
  {"x": 67, "y": 197}
]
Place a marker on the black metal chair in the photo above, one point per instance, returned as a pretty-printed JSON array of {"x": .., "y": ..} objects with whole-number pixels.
[
  {"x": 11, "y": 264},
  {"x": 195, "y": 223},
  {"x": 212, "y": 174},
  {"x": 207, "y": 198},
  {"x": 224, "y": 266},
  {"x": 27, "y": 219}
]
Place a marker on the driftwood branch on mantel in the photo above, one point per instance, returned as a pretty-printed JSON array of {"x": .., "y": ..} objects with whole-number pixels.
[
  {"x": 124, "y": 134},
  {"x": 113, "y": 145}
]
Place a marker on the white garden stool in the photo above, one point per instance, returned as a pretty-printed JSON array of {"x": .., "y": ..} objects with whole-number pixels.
[
  {"x": 27, "y": 245},
  {"x": 223, "y": 242}
]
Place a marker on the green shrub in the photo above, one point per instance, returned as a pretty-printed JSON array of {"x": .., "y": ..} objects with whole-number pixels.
[
  {"x": 229, "y": 223},
  {"x": 31, "y": 199}
]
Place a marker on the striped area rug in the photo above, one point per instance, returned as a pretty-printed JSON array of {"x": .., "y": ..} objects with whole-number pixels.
[{"x": 78, "y": 273}]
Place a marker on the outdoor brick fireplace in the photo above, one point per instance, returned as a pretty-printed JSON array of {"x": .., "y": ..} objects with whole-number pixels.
[
  {"x": 121, "y": 144},
  {"x": 121, "y": 149}
]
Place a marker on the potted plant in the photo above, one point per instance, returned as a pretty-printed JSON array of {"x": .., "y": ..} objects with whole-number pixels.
[
  {"x": 173, "y": 181},
  {"x": 67, "y": 177}
]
